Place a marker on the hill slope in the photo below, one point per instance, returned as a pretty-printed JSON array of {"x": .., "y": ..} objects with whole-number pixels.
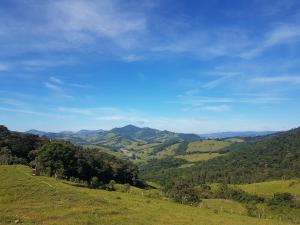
[
  {"x": 273, "y": 157},
  {"x": 128, "y": 133},
  {"x": 43, "y": 200}
]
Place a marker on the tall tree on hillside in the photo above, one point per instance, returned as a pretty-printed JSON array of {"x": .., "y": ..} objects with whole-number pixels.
[{"x": 57, "y": 158}]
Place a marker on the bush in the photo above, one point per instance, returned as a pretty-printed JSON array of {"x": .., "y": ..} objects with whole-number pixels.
[
  {"x": 285, "y": 199},
  {"x": 95, "y": 182},
  {"x": 111, "y": 186},
  {"x": 224, "y": 191},
  {"x": 184, "y": 193}
]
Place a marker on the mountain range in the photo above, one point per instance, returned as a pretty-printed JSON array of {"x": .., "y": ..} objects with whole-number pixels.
[
  {"x": 118, "y": 136},
  {"x": 240, "y": 134}
]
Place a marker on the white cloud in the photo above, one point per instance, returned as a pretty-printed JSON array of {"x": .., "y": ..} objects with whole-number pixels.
[
  {"x": 89, "y": 111},
  {"x": 83, "y": 21},
  {"x": 282, "y": 34},
  {"x": 132, "y": 58},
  {"x": 4, "y": 67},
  {"x": 52, "y": 87},
  {"x": 110, "y": 118},
  {"x": 55, "y": 80},
  {"x": 277, "y": 79},
  {"x": 30, "y": 112},
  {"x": 11, "y": 101},
  {"x": 216, "y": 108}
]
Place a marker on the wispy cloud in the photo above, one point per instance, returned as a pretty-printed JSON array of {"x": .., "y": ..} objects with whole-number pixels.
[
  {"x": 96, "y": 111},
  {"x": 30, "y": 112},
  {"x": 132, "y": 58},
  {"x": 278, "y": 80},
  {"x": 12, "y": 102},
  {"x": 53, "y": 87},
  {"x": 4, "y": 67},
  {"x": 282, "y": 34},
  {"x": 55, "y": 80}
]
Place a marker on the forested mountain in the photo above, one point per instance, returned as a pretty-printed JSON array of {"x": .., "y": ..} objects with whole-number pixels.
[
  {"x": 17, "y": 147},
  {"x": 241, "y": 134},
  {"x": 127, "y": 134},
  {"x": 64, "y": 160},
  {"x": 64, "y": 134},
  {"x": 272, "y": 157},
  {"x": 275, "y": 156}
]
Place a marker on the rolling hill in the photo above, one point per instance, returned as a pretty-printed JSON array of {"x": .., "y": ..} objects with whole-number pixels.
[
  {"x": 242, "y": 134},
  {"x": 25, "y": 199},
  {"x": 274, "y": 157},
  {"x": 129, "y": 134}
]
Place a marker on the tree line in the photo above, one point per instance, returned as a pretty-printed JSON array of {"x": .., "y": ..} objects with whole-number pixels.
[{"x": 65, "y": 160}]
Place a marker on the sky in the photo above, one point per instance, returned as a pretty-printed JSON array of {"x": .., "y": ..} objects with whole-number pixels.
[{"x": 186, "y": 66}]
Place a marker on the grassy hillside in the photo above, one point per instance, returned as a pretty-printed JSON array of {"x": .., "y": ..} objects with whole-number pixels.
[
  {"x": 199, "y": 156},
  {"x": 43, "y": 200},
  {"x": 271, "y": 187},
  {"x": 208, "y": 146},
  {"x": 273, "y": 157}
]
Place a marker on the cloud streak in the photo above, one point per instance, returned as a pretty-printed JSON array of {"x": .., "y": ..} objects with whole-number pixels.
[{"x": 277, "y": 80}]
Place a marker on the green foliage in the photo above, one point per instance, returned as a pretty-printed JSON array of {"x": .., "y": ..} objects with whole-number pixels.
[
  {"x": 164, "y": 145},
  {"x": 95, "y": 182},
  {"x": 161, "y": 170},
  {"x": 285, "y": 199},
  {"x": 92, "y": 163},
  {"x": 274, "y": 157},
  {"x": 5, "y": 156},
  {"x": 31, "y": 200},
  {"x": 18, "y": 147},
  {"x": 57, "y": 158},
  {"x": 110, "y": 186},
  {"x": 182, "y": 148},
  {"x": 184, "y": 193},
  {"x": 226, "y": 192}
]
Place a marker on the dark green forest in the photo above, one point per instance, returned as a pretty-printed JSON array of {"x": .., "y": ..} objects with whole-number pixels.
[
  {"x": 268, "y": 158},
  {"x": 64, "y": 160}
]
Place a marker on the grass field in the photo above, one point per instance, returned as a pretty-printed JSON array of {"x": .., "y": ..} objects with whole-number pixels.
[
  {"x": 196, "y": 157},
  {"x": 224, "y": 205},
  {"x": 271, "y": 187},
  {"x": 208, "y": 146},
  {"x": 42, "y": 200},
  {"x": 169, "y": 151}
]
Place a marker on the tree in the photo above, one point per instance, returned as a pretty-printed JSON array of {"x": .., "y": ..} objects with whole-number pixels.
[
  {"x": 57, "y": 157},
  {"x": 184, "y": 193}
]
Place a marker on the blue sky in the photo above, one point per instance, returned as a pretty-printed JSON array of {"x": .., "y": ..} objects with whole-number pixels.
[{"x": 186, "y": 66}]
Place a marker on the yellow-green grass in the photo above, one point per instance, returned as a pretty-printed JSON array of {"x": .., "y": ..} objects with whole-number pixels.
[
  {"x": 224, "y": 205},
  {"x": 169, "y": 151},
  {"x": 43, "y": 200},
  {"x": 271, "y": 187},
  {"x": 186, "y": 165},
  {"x": 196, "y": 157},
  {"x": 235, "y": 140},
  {"x": 208, "y": 146}
]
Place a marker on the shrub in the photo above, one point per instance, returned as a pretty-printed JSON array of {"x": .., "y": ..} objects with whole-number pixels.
[
  {"x": 285, "y": 199},
  {"x": 95, "y": 182},
  {"x": 111, "y": 186},
  {"x": 184, "y": 193}
]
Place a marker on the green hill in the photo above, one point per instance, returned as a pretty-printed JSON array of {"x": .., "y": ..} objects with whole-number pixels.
[
  {"x": 25, "y": 199},
  {"x": 271, "y": 187},
  {"x": 120, "y": 137},
  {"x": 269, "y": 158}
]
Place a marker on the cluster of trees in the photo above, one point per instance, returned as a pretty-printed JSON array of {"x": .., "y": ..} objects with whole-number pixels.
[
  {"x": 269, "y": 158},
  {"x": 162, "y": 171},
  {"x": 65, "y": 160},
  {"x": 165, "y": 145},
  {"x": 274, "y": 157},
  {"x": 18, "y": 147},
  {"x": 183, "y": 192}
]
